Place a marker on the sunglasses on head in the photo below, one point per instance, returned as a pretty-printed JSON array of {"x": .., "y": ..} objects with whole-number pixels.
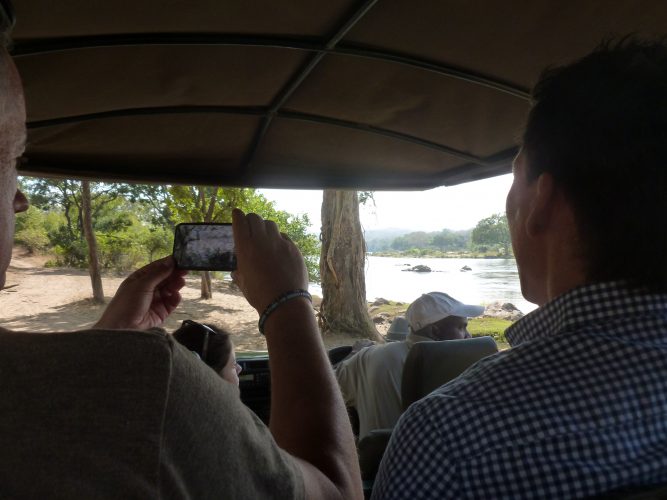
[{"x": 203, "y": 330}]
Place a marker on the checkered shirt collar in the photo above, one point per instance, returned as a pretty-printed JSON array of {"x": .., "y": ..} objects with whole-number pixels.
[{"x": 595, "y": 303}]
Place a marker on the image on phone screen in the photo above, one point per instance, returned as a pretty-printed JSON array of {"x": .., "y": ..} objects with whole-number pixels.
[{"x": 204, "y": 247}]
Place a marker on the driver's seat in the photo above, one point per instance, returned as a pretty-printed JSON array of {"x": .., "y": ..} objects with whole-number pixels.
[
  {"x": 432, "y": 364},
  {"x": 428, "y": 366}
]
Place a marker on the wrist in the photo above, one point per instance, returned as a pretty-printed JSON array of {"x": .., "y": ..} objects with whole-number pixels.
[
  {"x": 289, "y": 317},
  {"x": 281, "y": 301}
]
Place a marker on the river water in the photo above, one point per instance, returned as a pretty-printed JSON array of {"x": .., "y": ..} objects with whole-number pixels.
[{"x": 489, "y": 280}]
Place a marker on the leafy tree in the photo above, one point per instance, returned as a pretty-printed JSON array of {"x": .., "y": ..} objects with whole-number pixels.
[
  {"x": 133, "y": 224},
  {"x": 203, "y": 204},
  {"x": 418, "y": 239},
  {"x": 493, "y": 231},
  {"x": 123, "y": 220},
  {"x": 53, "y": 194},
  {"x": 154, "y": 200},
  {"x": 215, "y": 204},
  {"x": 294, "y": 226},
  {"x": 448, "y": 240}
]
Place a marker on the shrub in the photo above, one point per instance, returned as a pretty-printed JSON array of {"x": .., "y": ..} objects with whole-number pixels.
[
  {"x": 34, "y": 239},
  {"x": 31, "y": 230}
]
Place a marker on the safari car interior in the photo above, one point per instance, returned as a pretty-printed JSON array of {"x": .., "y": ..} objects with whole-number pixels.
[{"x": 368, "y": 95}]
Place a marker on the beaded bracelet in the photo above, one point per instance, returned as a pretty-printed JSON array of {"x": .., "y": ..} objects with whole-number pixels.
[{"x": 281, "y": 300}]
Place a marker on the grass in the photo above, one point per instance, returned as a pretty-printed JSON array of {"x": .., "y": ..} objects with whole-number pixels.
[
  {"x": 493, "y": 327},
  {"x": 478, "y": 327}
]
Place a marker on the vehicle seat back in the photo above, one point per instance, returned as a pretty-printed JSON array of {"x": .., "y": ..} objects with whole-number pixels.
[
  {"x": 371, "y": 449},
  {"x": 428, "y": 366},
  {"x": 432, "y": 364}
]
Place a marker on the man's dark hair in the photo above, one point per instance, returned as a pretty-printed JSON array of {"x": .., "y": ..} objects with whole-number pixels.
[{"x": 599, "y": 126}]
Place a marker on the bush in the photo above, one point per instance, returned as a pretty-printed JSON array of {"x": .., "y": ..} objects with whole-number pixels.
[
  {"x": 73, "y": 255},
  {"x": 31, "y": 231},
  {"x": 34, "y": 239}
]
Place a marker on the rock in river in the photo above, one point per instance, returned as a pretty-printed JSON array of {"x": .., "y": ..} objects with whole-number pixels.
[{"x": 419, "y": 269}]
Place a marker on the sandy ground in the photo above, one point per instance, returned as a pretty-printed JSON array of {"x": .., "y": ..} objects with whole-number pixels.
[{"x": 43, "y": 299}]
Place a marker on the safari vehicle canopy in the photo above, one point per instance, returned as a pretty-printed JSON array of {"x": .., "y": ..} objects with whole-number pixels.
[
  {"x": 373, "y": 94},
  {"x": 381, "y": 94}
]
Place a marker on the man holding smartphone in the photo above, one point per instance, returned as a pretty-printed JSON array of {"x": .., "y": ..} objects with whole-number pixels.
[{"x": 116, "y": 412}]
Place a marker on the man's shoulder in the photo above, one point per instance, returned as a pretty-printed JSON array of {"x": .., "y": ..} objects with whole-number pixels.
[
  {"x": 387, "y": 351},
  {"x": 98, "y": 354},
  {"x": 154, "y": 335},
  {"x": 72, "y": 361}
]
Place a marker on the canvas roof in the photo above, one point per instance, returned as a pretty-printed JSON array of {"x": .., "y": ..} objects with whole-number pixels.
[{"x": 375, "y": 94}]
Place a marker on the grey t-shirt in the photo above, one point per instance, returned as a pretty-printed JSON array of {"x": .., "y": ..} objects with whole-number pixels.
[{"x": 122, "y": 414}]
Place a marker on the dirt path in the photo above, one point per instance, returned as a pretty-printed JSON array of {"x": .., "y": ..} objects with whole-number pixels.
[{"x": 43, "y": 299}]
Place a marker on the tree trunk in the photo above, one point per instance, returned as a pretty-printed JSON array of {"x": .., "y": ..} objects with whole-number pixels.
[
  {"x": 207, "y": 214},
  {"x": 206, "y": 289},
  {"x": 344, "y": 308},
  {"x": 93, "y": 260}
]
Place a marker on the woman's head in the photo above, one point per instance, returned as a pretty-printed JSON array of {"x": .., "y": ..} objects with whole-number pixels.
[{"x": 213, "y": 345}]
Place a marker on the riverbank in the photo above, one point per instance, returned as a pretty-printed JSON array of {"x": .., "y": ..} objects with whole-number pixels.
[
  {"x": 43, "y": 299},
  {"x": 435, "y": 254}
]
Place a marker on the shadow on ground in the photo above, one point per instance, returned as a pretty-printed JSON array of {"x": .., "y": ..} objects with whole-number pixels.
[{"x": 82, "y": 314}]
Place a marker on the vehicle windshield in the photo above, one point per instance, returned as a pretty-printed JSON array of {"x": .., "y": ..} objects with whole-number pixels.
[{"x": 409, "y": 252}]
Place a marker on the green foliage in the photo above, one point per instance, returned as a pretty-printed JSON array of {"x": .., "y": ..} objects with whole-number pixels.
[
  {"x": 420, "y": 243},
  {"x": 493, "y": 232},
  {"x": 366, "y": 197},
  {"x": 211, "y": 204},
  {"x": 294, "y": 226},
  {"x": 203, "y": 203},
  {"x": 126, "y": 242},
  {"x": 152, "y": 198},
  {"x": 492, "y": 327},
  {"x": 73, "y": 254},
  {"x": 134, "y": 224},
  {"x": 31, "y": 231},
  {"x": 490, "y": 238},
  {"x": 126, "y": 236}
]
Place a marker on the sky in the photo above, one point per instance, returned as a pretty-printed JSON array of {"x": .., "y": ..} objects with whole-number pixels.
[{"x": 455, "y": 207}]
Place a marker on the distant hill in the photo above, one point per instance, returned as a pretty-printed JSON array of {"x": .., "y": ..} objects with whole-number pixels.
[
  {"x": 396, "y": 239},
  {"x": 389, "y": 232},
  {"x": 381, "y": 239}
]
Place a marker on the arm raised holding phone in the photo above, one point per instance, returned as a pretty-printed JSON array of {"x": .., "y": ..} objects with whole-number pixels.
[{"x": 308, "y": 417}]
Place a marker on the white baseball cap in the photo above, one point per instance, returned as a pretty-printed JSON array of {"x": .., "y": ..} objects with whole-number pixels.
[{"x": 434, "y": 306}]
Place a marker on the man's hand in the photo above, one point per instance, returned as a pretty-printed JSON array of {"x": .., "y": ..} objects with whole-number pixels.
[
  {"x": 145, "y": 298},
  {"x": 269, "y": 264}
]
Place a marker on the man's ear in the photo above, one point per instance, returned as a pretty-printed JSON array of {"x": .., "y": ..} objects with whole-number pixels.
[{"x": 542, "y": 206}]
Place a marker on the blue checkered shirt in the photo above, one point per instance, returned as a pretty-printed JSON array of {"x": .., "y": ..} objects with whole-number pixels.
[{"x": 577, "y": 407}]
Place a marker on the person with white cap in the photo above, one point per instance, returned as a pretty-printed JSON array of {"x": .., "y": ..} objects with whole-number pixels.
[{"x": 370, "y": 379}]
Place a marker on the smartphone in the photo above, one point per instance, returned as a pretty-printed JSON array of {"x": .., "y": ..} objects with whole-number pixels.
[{"x": 204, "y": 247}]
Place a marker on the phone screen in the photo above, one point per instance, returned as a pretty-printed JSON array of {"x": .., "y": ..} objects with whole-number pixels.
[{"x": 204, "y": 247}]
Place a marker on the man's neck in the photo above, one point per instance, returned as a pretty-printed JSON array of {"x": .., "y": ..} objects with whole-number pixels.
[{"x": 565, "y": 268}]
